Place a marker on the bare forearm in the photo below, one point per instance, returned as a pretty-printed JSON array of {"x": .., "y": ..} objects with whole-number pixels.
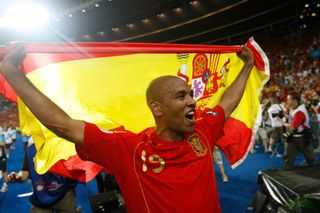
[
  {"x": 24, "y": 176},
  {"x": 231, "y": 98},
  {"x": 46, "y": 111},
  {"x": 286, "y": 125}
]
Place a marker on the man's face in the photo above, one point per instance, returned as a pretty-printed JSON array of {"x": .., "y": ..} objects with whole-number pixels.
[
  {"x": 303, "y": 98},
  {"x": 178, "y": 107},
  {"x": 291, "y": 102}
]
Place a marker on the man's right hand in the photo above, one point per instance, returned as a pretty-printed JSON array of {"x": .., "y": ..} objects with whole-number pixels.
[
  {"x": 246, "y": 55},
  {"x": 12, "y": 59}
]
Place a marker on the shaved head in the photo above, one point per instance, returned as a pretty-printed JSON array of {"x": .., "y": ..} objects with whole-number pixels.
[{"x": 157, "y": 87}]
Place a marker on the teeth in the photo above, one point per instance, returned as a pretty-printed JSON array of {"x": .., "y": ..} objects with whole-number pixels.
[{"x": 190, "y": 113}]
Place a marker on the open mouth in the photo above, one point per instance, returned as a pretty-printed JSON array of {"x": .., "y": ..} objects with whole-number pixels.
[{"x": 190, "y": 116}]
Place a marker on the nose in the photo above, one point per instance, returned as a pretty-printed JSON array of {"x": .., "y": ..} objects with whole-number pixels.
[{"x": 191, "y": 101}]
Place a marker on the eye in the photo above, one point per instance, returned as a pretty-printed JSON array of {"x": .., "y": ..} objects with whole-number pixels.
[{"x": 180, "y": 97}]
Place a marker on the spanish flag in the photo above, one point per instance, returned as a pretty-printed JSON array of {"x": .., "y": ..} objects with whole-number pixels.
[{"x": 105, "y": 84}]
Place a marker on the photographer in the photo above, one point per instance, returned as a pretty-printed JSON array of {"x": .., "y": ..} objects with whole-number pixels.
[
  {"x": 298, "y": 132},
  {"x": 314, "y": 109},
  {"x": 275, "y": 113}
]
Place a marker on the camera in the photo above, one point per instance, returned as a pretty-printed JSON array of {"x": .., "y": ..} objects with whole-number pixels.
[
  {"x": 288, "y": 134},
  {"x": 314, "y": 102},
  {"x": 279, "y": 114}
]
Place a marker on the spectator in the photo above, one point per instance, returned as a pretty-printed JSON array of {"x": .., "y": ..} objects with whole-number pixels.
[
  {"x": 298, "y": 132},
  {"x": 275, "y": 111},
  {"x": 3, "y": 161},
  {"x": 51, "y": 192},
  {"x": 218, "y": 159}
]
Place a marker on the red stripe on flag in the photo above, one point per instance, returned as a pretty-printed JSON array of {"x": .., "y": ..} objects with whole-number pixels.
[
  {"x": 127, "y": 48},
  {"x": 259, "y": 62},
  {"x": 236, "y": 140},
  {"x": 7, "y": 91},
  {"x": 43, "y": 54},
  {"x": 75, "y": 168}
]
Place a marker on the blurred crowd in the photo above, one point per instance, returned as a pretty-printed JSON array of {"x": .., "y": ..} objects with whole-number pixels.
[
  {"x": 9, "y": 131},
  {"x": 295, "y": 69},
  {"x": 8, "y": 114}
]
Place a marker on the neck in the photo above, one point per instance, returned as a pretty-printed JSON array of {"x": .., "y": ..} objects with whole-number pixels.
[
  {"x": 169, "y": 135},
  {"x": 295, "y": 106}
]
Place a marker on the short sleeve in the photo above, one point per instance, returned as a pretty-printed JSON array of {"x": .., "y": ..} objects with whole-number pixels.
[
  {"x": 104, "y": 147},
  {"x": 298, "y": 119},
  {"x": 213, "y": 120}
]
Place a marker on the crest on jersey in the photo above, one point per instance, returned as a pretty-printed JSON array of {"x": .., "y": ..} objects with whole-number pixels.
[{"x": 199, "y": 148}]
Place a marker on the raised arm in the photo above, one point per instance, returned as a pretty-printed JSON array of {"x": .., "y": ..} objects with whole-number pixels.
[
  {"x": 232, "y": 96},
  {"x": 47, "y": 112}
]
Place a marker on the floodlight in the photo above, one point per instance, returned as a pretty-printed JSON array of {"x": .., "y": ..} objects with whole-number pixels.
[{"x": 25, "y": 16}]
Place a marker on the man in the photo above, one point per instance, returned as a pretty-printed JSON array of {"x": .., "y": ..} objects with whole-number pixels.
[
  {"x": 275, "y": 112},
  {"x": 3, "y": 161},
  {"x": 51, "y": 192},
  {"x": 261, "y": 132},
  {"x": 218, "y": 160},
  {"x": 9, "y": 140},
  {"x": 168, "y": 168},
  {"x": 315, "y": 121},
  {"x": 298, "y": 132}
]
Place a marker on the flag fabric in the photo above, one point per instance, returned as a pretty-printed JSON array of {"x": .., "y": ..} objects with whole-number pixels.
[{"x": 105, "y": 84}]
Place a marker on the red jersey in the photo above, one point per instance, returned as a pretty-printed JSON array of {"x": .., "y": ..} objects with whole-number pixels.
[{"x": 156, "y": 175}]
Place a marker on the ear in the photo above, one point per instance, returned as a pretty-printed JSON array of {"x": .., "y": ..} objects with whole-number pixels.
[{"x": 155, "y": 108}]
